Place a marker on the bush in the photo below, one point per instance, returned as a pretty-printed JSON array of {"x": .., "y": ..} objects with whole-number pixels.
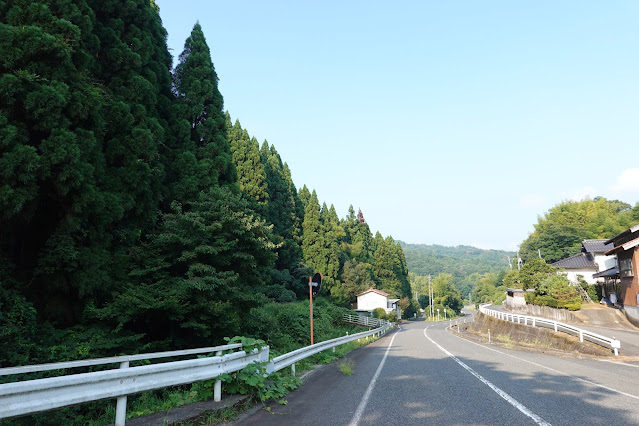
[{"x": 379, "y": 313}]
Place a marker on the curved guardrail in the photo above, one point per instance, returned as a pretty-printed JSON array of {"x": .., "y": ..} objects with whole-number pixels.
[
  {"x": 291, "y": 358},
  {"x": 598, "y": 339}
]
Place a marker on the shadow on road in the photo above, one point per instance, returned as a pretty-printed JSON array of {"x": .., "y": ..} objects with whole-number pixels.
[{"x": 428, "y": 388}]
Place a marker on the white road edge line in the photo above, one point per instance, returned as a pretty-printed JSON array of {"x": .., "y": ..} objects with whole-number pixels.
[
  {"x": 512, "y": 401},
  {"x": 561, "y": 372},
  {"x": 362, "y": 405}
]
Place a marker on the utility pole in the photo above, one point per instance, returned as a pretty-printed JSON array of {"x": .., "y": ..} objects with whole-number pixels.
[{"x": 430, "y": 298}]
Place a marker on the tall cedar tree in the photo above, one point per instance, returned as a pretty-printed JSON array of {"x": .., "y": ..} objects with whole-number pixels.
[
  {"x": 208, "y": 251},
  {"x": 385, "y": 266},
  {"x": 55, "y": 212},
  {"x": 251, "y": 176},
  {"x": 312, "y": 244},
  {"x": 332, "y": 233},
  {"x": 201, "y": 104},
  {"x": 282, "y": 213}
]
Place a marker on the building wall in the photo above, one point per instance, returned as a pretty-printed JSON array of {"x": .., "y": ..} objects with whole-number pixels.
[
  {"x": 605, "y": 262},
  {"x": 630, "y": 285},
  {"x": 571, "y": 274},
  {"x": 371, "y": 301}
]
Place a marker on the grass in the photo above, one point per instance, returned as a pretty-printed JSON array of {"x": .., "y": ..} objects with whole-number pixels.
[{"x": 347, "y": 367}]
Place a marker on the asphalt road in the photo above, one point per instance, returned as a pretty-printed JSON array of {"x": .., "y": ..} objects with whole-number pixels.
[{"x": 422, "y": 374}]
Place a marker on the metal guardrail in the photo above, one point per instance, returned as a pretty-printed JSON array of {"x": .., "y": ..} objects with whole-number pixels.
[
  {"x": 38, "y": 395},
  {"x": 289, "y": 359},
  {"x": 365, "y": 321},
  {"x": 34, "y": 396},
  {"x": 614, "y": 344}
]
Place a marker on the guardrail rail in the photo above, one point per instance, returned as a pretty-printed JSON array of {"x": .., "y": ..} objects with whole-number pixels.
[
  {"x": 598, "y": 339},
  {"x": 38, "y": 395}
]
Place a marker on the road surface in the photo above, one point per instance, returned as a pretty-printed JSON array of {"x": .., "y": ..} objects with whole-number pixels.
[{"x": 422, "y": 374}]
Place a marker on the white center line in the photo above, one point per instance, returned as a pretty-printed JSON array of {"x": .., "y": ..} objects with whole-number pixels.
[
  {"x": 512, "y": 401},
  {"x": 362, "y": 405}
]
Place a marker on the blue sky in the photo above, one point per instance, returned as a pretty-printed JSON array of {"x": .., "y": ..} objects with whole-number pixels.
[{"x": 456, "y": 122}]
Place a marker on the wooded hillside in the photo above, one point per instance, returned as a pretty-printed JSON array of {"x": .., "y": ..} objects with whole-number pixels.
[{"x": 135, "y": 214}]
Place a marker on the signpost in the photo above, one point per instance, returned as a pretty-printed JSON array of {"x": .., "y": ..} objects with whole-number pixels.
[{"x": 314, "y": 285}]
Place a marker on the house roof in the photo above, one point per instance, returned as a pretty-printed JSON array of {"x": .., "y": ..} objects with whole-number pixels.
[
  {"x": 626, "y": 246},
  {"x": 374, "y": 290},
  {"x": 581, "y": 260},
  {"x": 628, "y": 231},
  {"x": 596, "y": 246},
  {"x": 614, "y": 271}
]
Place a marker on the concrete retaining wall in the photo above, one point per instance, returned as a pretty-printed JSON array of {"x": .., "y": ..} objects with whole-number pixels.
[
  {"x": 563, "y": 315},
  {"x": 632, "y": 313}
]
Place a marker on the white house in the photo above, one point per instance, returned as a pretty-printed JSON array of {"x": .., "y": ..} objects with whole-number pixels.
[
  {"x": 369, "y": 300},
  {"x": 589, "y": 262}
]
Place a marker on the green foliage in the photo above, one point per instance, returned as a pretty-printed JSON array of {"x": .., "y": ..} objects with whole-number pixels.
[
  {"x": 559, "y": 233},
  {"x": 460, "y": 261},
  {"x": 182, "y": 262},
  {"x": 593, "y": 290},
  {"x": 555, "y": 291},
  {"x": 379, "y": 313},
  {"x": 533, "y": 272},
  {"x": 445, "y": 294},
  {"x": 347, "y": 367}
]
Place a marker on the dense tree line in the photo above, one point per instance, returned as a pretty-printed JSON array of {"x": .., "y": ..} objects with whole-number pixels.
[
  {"x": 462, "y": 265},
  {"x": 559, "y": 233},
  {"x": 135, "y": 214}
]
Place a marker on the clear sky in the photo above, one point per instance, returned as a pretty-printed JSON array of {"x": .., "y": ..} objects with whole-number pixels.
[{"x": 446, "y": 122}]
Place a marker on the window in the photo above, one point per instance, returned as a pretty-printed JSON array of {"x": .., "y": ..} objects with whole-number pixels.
[{"x": 625, "y": 268}]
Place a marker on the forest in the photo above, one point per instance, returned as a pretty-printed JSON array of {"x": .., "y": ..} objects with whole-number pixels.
[{"x": 136, "y": 215}]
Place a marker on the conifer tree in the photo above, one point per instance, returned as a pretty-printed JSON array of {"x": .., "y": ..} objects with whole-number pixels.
[
  {"x": 333, "y": 233},
  {"x": 249, "y": 166},
  {"x": 385, "y": 265},
  {"x": 58, "y": 215},
  {"x": 312, "y": 244},
  {"x": 281, "y": 209},
  {"x": 304, "y": 195},
  {"x": 201, "y": 102},
  {"x": 198, "y": 271}
]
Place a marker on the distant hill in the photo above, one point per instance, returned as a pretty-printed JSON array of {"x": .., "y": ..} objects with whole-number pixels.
[{"x": 459, "y": 261}]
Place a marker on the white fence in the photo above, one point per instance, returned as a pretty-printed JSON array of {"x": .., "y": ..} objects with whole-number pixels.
[
  {"x": 614, "y": 344},
  {"x": 365, "y": 321},
  {"x": 34, "y": 396}
]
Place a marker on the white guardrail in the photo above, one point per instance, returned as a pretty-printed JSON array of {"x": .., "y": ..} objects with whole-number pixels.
[
  {"x": 38, "y": 395},
  {"x": 614, "y": 344}
]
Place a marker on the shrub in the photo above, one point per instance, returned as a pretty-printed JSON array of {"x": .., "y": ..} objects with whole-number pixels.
[{"x": 379, "y": 313}]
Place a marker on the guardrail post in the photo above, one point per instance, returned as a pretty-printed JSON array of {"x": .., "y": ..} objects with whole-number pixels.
[
  {"x": 581, "y": 336},
  {"x": 293, "y": 366},
  {"x": 533, "y": 322},
  {"x": 217, "y": 388},
  {"x": 555, "y": 325},
  {"x": 120, "y": 408}
]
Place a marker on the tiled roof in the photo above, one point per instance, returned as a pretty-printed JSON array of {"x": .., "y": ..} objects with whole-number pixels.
[
  {"x": 614, "y": 271},
  {"x": 599, "y": 246},
  {"x": 581, "y": 260},
  {"x": 374, "y": 290}
]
